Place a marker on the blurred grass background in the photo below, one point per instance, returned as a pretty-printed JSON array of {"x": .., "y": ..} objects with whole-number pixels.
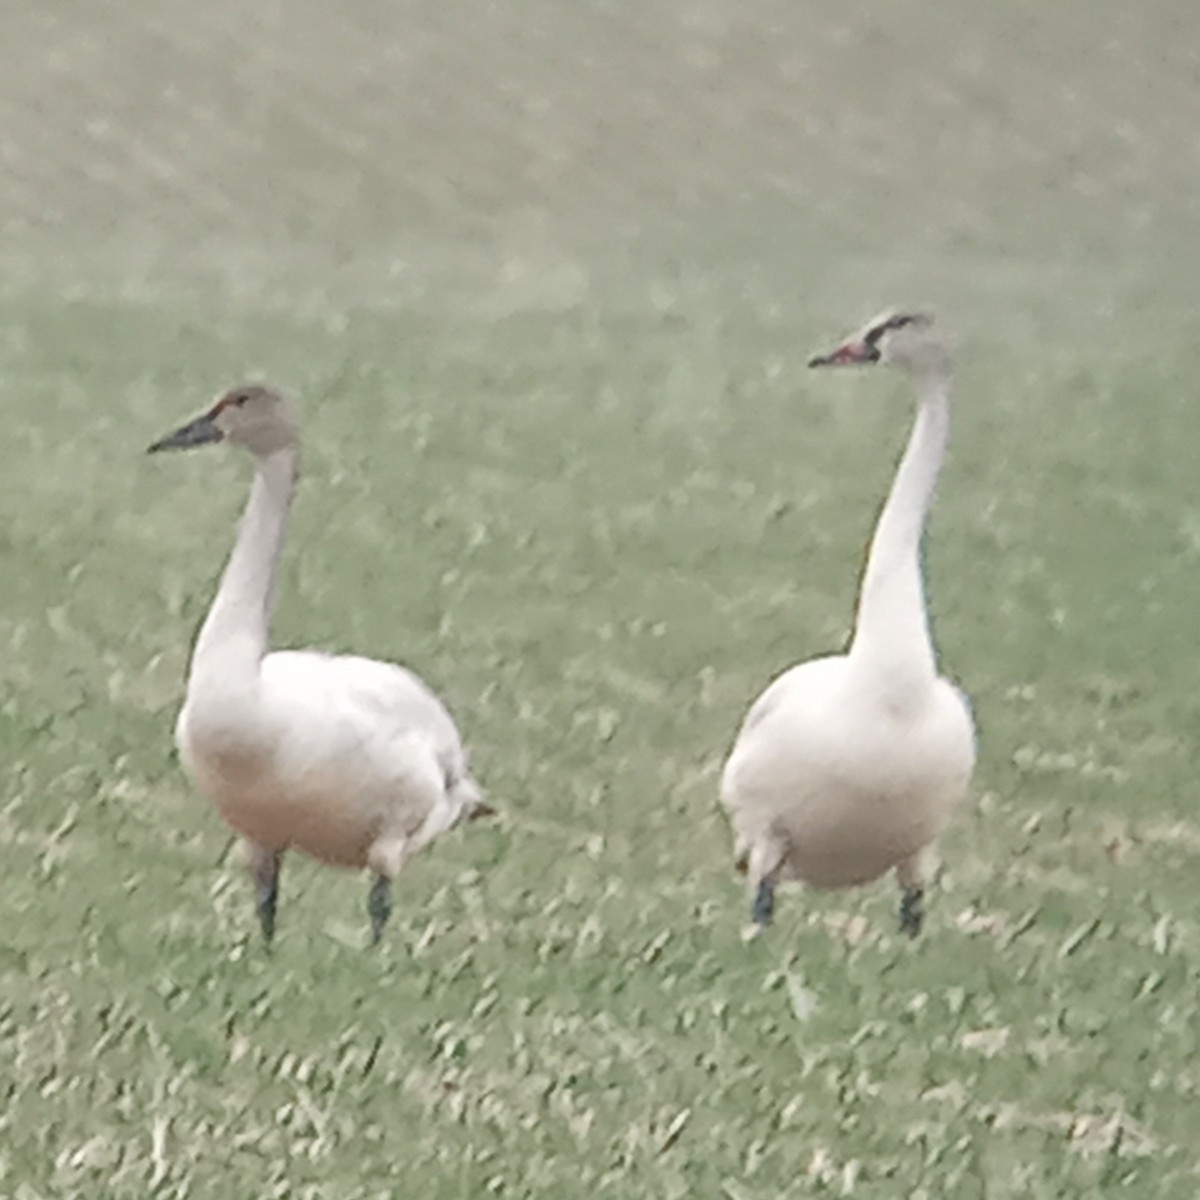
[{"x": 546, "y": 276}]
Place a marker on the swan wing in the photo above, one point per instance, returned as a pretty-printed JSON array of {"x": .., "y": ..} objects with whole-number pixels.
[
  {"x": 389, "y": 701},
  {"x": 799, "y": 686}
]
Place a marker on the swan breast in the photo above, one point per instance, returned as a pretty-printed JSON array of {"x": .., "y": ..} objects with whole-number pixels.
[{"x": 847, "y": 790}]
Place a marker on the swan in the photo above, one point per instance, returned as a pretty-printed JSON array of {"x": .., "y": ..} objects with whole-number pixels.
[
  {"x": 351, "y": 761},
  {"x": 849, "y": 766}
]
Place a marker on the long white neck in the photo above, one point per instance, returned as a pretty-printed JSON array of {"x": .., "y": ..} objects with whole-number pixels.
[
  {"x": 233, "y": 638},
  {"x": 892, "y": 643}
]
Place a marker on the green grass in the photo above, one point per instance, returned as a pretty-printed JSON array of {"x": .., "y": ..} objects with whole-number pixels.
[{"x": 563, "y": 458}]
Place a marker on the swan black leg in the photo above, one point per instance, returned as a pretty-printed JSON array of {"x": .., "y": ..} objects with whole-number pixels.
[
  {"x": 763, "y": 910},
  {"x": 266, "y": 889},
  {"x": 379, "y": 906},
  {"x": 912, "y": 910}
]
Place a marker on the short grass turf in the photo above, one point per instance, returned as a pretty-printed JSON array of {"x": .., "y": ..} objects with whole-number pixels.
[{"x": 546, "y": 284}]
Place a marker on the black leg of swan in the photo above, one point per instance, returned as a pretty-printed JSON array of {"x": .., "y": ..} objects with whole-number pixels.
[
  {"x": 912, "y": 910},
  {"x": 763, "y": 910},
  {"x": 266, "y": 890},
  {"x": 379, "y": 905}
]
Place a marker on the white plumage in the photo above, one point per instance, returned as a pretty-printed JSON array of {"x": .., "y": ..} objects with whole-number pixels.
[
  {"x": 849, "y": 766},
  {"x": 352, "y": 761}
]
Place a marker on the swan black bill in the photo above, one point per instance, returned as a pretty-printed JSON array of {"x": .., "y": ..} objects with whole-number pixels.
[
  {"x": 200, "y": 432},
  {"x": 848, "y": 355}
]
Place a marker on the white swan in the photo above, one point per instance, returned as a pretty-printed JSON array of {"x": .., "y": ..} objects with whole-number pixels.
[
  {"x": 849, "y": 766},
  {"x": 352, "y": 761}
]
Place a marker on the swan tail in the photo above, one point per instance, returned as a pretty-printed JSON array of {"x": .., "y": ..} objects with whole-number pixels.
[{"x": 471, "y": 799}]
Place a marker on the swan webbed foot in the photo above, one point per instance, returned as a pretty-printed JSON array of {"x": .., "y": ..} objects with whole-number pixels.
[
  {"x": 266, "y": 890},
  {"x": 912, "y": 910},
  {"x": 762, "y": 912},
  {"x": 379, "y": 906}
]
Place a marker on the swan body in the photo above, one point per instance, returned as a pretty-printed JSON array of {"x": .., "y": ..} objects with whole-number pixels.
[
  {"x": 340, "y": 749},
  {"x": 840, "y": 805},
  {"x": 351, "y": 761},
  {"x": 850, "y": 766}
]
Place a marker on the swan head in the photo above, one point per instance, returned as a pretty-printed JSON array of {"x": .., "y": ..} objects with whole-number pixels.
[
  {"x": 252, "y": 415},
  {"x": 905, "y": 339}
]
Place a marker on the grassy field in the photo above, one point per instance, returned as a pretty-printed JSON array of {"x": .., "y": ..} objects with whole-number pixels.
[{"x": 546, "y": 277}]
